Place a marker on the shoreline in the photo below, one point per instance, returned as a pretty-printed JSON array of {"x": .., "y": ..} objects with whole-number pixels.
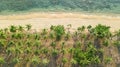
[{"x": 57, "y": 15}]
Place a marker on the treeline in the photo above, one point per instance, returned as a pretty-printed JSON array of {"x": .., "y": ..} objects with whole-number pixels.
[{"x": 86, "y": 5}]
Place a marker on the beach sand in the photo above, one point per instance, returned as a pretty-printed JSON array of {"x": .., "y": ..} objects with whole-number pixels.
[{"x": 45, "y": 20}]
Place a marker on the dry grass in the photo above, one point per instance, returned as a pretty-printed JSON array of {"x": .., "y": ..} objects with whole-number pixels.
[{"x": 57, "y": 15}]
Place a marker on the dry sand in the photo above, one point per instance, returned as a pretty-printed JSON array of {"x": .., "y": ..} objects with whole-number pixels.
[{"x": 45, "y": 20}]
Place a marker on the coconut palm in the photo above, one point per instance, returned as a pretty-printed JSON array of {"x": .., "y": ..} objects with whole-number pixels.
[
  {"x": 59, "y": 32},
  {"x": 101, "y": 32},
  {"x": 13, "y": 28},
  {"x": 21, "y": 28},
  {"x": 56, "y": 47},
  {"x": 28, "y": 26}
]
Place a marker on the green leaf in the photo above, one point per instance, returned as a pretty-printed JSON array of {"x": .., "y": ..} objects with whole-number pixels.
[
  {"x": 45, "y": 61},
  {"x": 2, "y": 61},
  {"x": 35, "y": 60},
  {"x": 16, "y": 60},
  {"x": 64, "y": 60},
  {"x": 28, "y": 26},
  {"x": 107, "y": 60},
  {"x": 13, "y": 28},
  {"x": 73, "y": 61}
]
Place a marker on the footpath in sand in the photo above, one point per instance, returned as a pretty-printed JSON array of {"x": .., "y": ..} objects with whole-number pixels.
[{"x": 45, "y": 20}]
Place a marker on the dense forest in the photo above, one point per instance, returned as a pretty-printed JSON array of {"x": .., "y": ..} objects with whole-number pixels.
[{"x": 83, "y": 5}]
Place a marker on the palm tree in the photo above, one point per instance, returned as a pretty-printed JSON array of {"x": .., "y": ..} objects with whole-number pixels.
[
  {"x": 28, "y": 26},
  {"x": 2, "y": 61},
  {"x": 101, "y": 32},
  {"x": 59, "y": 32},
  {"x": 21, "y": 28},
  {"x": 13, "y": 28}
]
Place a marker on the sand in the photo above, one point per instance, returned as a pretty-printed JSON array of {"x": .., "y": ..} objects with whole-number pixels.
[{"x": 42, "y": 20}]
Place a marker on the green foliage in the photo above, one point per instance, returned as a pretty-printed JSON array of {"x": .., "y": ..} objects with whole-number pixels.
[
  {"x": 2, "y": 44},
  {"x": 16, "y": 60},
  {"x": 117, "y": 44},
  {"x": 55, "y": 52},
  {"x": 73, "y": 61},
  {"x": 118, "y": 35},
  {"x": 49, "y": 46},
  {"x": 81, "y": 28},
  {"x": 35, "y": 60},
  {"x": 13, "y": 28},
  {"x": 101, "y": 31},
  {"x": 59, "y": 31},
  {"x": 108, "y": 60},
  {"x": 20, "y": 28},
  {"x": 45, "y": 61},
  {"x": 53, "y": 44},
  {"x": 89, "y": 56},
  {"x": 28, "y": 26},
  {"x": 64, "y": 60},
  {"x": 67, "y": 36},
  {"x": 105, "y": 42},
  {"x": 2, "y": 60}
]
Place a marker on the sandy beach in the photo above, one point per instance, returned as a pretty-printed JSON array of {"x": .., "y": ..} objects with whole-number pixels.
[{"x": 42, "y": 20}]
